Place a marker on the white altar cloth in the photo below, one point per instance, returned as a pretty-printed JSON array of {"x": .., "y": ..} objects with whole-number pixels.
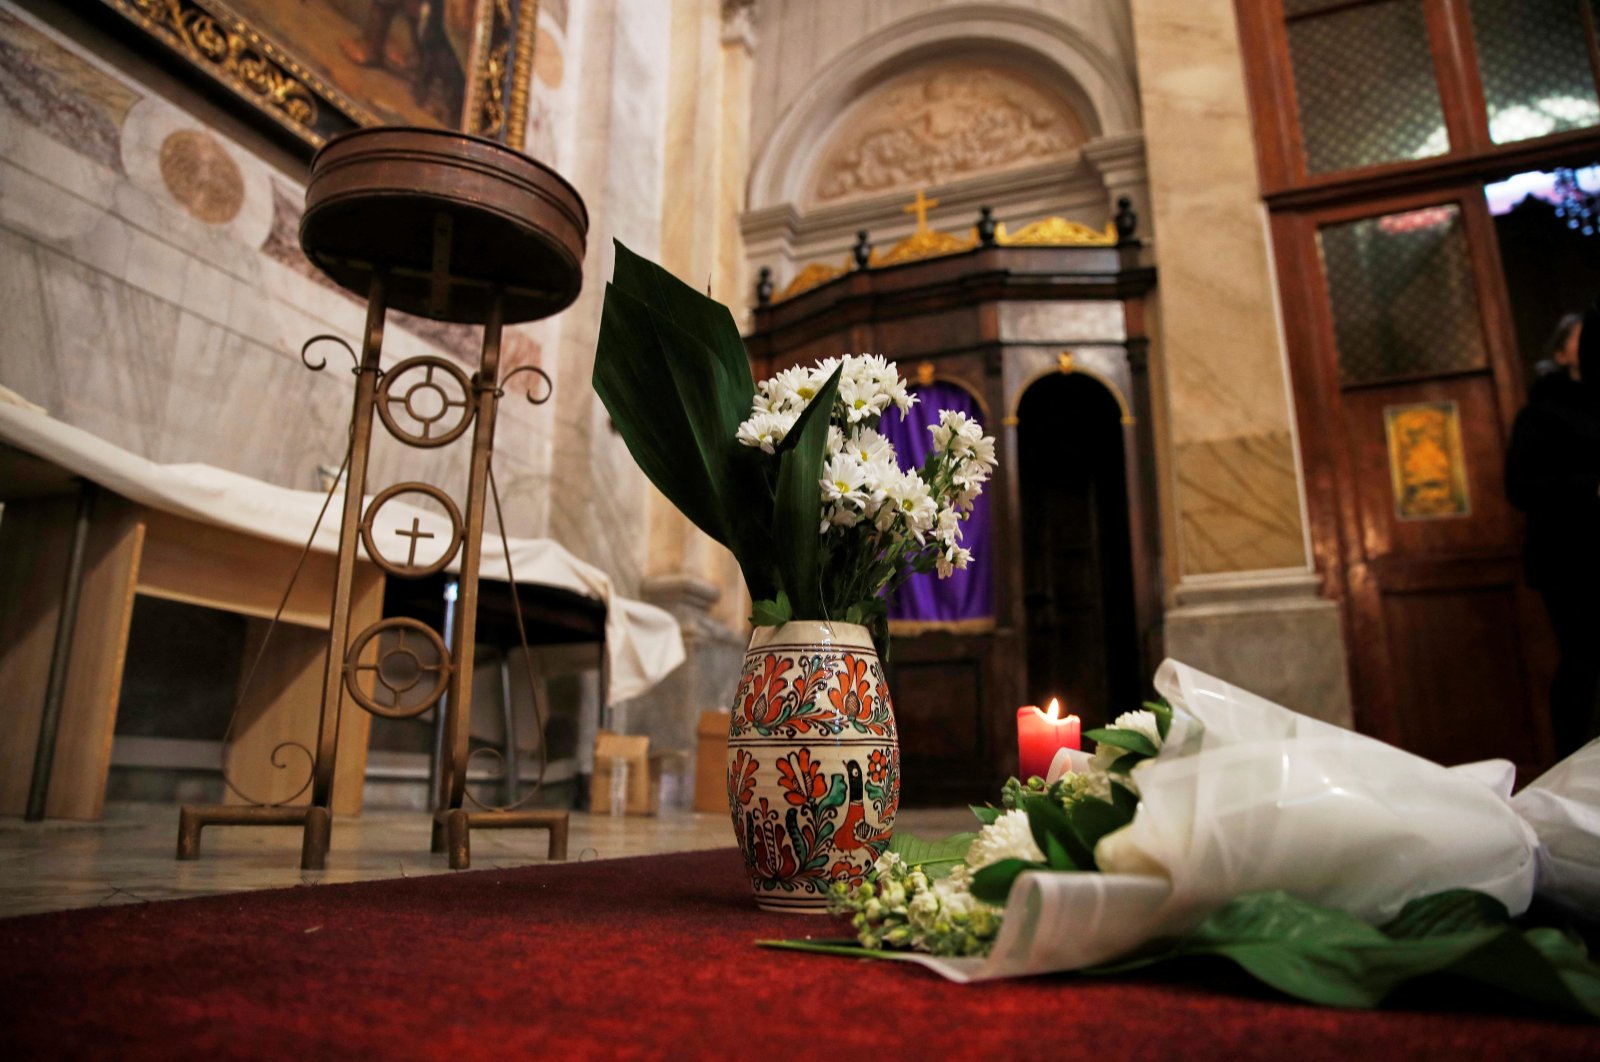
[{"x": 643, "y": 642}]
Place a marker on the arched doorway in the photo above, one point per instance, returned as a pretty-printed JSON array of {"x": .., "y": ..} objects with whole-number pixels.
[{"x": 1081, "y": 632}]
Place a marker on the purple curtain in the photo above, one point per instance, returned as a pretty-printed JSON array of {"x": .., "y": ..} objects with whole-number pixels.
[{"x": 969, "y": 594}]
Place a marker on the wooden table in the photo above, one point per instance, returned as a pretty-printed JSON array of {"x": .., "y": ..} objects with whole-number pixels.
[{"x": 131, "y": 549}]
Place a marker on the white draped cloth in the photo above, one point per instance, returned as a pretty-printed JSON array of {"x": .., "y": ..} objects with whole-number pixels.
[
  {"x": 1246, "y": 796},
  {"x": 643, "y": 642}
]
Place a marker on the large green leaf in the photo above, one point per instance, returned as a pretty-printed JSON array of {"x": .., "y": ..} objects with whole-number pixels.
[
  {"x": 673, "y": 374},
  {"x": 936, "y": 858},
  {"x": 632, "y": 377},
  {"x": 1327, "y": 956},
  {"x": 695, "y": 313},
  {"x": 797, "y": 508}
]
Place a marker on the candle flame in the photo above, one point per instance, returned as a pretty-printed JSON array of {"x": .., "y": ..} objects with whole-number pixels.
[{"x": 1055, "y": 709}]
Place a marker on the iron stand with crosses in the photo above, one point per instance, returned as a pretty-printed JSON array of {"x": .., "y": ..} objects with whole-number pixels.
[{"x": 460, "y": 229}]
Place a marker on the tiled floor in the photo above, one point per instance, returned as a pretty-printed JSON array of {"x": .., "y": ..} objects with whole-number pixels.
[{"x": 127, "y": 857}]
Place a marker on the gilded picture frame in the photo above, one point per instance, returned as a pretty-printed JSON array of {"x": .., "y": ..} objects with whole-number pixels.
[
  {"x": 317, "y": 68},
  {"x": 1427, "y": 465}
]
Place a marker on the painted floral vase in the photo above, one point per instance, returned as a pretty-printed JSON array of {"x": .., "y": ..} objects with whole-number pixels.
[{"x": 813, "y": 762}]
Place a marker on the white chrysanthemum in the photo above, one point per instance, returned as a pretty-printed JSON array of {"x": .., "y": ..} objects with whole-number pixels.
[
  {"x": 908, "y": 495},
  {"x": 947, "y": 527},
  {"x": 952, "y": 559},
  {"x": 1143, "y": 721},
  {"x": 871, "y": 448},
  {"x": 1007, "y": 837},
  {"x": 765, "y": 430},
  {"x": 818, "y": 375},
  {"x": 842, "y": 479},
  {"x": 956, "y": 432}
]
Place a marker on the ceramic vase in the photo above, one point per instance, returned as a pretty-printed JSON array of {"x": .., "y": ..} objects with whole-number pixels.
[{"x": 813, "y": 762}]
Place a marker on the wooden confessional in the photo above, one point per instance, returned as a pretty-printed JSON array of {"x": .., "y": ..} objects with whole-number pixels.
[{"x": 1050, "y": 339}]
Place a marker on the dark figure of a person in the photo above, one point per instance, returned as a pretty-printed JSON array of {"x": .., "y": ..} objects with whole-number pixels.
[{"x": 1553, "y": 475}]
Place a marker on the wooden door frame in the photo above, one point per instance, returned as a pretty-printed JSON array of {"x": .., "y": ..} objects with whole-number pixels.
[{"x": 1334, "y": 508}]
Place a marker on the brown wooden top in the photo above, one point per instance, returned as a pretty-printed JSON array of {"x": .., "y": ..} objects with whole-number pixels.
[
  {"x": 929, "y": 290},
  {"x": 450, "y": 218}
]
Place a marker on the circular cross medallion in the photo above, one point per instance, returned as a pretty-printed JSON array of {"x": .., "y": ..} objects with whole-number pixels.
[
  {"x": 410, "y": 569},
  {"x": 425, "y": 401},
  {"x": 412, "y": 673}
]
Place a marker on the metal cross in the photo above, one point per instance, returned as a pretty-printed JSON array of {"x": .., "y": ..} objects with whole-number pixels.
[
  {"x": 920, "y": 207},
  {"x": 415, "y": 533}
]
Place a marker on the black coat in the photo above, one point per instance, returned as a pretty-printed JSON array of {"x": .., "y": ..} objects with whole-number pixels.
[{"x": 1553, "y": 472}]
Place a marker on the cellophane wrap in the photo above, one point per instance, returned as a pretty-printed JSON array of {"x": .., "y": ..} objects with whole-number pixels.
[{"x": 1247, "y": 795}]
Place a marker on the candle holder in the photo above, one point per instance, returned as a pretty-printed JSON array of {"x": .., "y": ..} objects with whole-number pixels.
[{"x": 455, "y": 228}]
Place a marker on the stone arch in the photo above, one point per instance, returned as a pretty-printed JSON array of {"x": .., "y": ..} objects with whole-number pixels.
[{"x": 1048, "y": 50}]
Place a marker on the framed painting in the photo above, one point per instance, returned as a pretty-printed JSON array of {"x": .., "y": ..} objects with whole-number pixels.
[
  {"x": 1427, "y": 469},
  {"x": 320, "y": 67}
]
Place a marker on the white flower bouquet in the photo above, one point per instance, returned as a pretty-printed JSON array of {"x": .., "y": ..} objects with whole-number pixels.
[
  {"x": 792, "y": 476},
  {"x": 1326, "y": 863}
]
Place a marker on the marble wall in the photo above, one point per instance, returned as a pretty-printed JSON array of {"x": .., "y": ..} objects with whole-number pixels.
[
  {"x": 1242, "y": 598},
  {"x": 155, "y": 294}
]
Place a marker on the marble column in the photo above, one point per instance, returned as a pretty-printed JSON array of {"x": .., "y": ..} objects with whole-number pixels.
[
  {"x": 1245, "y": 601},
  {"x": 702, "y": 186}
]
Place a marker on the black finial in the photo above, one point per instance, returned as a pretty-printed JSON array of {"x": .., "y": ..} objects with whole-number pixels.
[
  {"x": 862, "y": 250},
  {"x": 986, "y": 226},
  {"x": 764, "y": 287},
  {"x": 1126, "y": 220}
]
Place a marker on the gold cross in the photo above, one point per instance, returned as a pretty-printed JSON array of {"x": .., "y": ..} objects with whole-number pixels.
[{"x": 920, "y": 207}]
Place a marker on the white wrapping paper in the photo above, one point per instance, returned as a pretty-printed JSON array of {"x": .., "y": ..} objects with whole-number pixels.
[{"x": 1247, "y": 795}]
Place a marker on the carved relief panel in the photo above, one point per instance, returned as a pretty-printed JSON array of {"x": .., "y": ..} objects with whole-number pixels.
[{"x": 933, "y": 125}]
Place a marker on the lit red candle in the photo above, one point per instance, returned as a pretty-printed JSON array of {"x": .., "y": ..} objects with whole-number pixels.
[{"x": 1041, "y": 736}]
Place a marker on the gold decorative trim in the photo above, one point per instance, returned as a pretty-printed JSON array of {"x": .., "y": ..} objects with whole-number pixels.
[
  {"x": 812, "y": 276},
  {"x": 220, "y": 43},
  {"x": 217, "y": 41},
  {"x": 912, "y": 628},
  {"x": 1066, "y": 365},
  {"x": 522, "y": 73},
  {"x": 929, "y": 243},
  {"x": 1057, "y": 232}
]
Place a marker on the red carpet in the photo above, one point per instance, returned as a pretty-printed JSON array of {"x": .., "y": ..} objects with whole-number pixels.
[{"x": 636, "y": 958}]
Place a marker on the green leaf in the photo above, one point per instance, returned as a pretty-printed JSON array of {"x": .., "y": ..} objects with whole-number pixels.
[
  {"x": 1163, "y": 713},
  {"x": 936, "y": 858},
  {"x": 631, "y": 376},
  {"x": 1048, "y": 821},
  {"x": 1055, "y": 854},
  {"x": 797, "y": 509},
  {"x": 1124, "y": 799},
  {"x": 1092, "y": 819},
  {"x": 1327, "y": 956},
  {"x": 992, "y": 884},
  {"x": 672, "y": 371},
  {"x": 1123, "y": 738},
  {"x": 695, "y": 313},
  {"x": 772, "y": 612},
  {"x": 1451, "y": 911},
  {"x": 986, "y": 814},
  {"x": 845, "y": 946}
]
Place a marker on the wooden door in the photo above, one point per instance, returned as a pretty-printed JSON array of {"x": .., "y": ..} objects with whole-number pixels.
[{"x": 1406, "y": 373}]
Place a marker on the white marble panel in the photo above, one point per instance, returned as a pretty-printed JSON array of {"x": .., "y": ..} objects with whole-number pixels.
[
  {"x": 27, "y": 364},
  {"x": 1268, "y": 633},
  {"x": 113, "y": 349},
  {"x": 1062, "y": 322}
]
